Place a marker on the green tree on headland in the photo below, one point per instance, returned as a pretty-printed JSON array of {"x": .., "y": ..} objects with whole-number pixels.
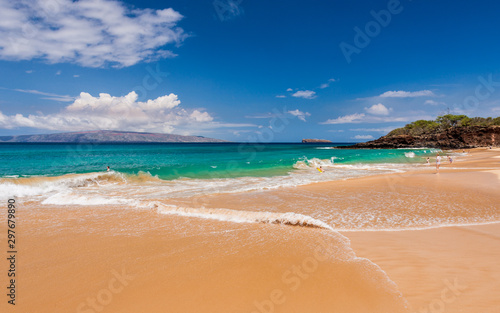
[{"x": 441, "y": 123}]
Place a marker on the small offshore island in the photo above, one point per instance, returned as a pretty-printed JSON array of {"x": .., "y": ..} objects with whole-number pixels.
[
  {"x": 315, "y": 141},
  {"x": 447, "y": 131}
]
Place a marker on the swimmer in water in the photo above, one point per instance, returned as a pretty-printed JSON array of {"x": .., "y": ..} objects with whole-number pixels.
[{"x": 438, "y": 162}]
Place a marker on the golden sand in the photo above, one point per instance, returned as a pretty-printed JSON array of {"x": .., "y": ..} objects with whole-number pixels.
[{"x": 98, "y": 259}]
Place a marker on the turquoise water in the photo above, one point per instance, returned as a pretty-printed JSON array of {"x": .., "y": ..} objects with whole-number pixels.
[
  {"x": 182, "y": 179},
  {"x": 173, "y": 161}
]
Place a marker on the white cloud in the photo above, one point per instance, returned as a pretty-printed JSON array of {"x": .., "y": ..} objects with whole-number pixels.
[
  {"x": 47, "y": 95},
  {"x": 382, "y": 129},
  {"x": 327, "y": 84},
  {"x": 91, "y": 33},
  {"x": 378, "y": 109},
  {"x": 306, "y": 94},
  {"x": 87, "y": 112},
  {"x": 407, "y": 94},
  {"x": 58, "y": 72},
  {"x": 299, "y": 114},
  {"x": 358, "y": 118},
  {"x": 29, "y": 71},
  {"x": 363, "y": 137},
  {"x": 432, "y": 102},
  {"x": 289, "y": 89},
  {"x": 388, "y": 119},
  {"x": 201, "y": 116},
  {"x": 281, "y": 114},
  {"x": 497, "y": 109},
  {"x": 76, "y": 76},
  {"x": 353, "y": 118},
  {"x": 280, "y": 96},
  {"x": 264, "y": 115}
]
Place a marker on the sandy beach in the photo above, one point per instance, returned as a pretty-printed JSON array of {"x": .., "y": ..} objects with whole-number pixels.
[
  {"x": 234, "y": 156},
  {"x": 103, "y": 259}
]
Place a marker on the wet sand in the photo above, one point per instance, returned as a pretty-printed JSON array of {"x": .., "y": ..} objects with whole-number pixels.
[
  {"x": 106, "y": 259},
  {"x": 451, "y": 269},
  {"x": 447, "y": 269},
  {"x": 426, "y": 264}
]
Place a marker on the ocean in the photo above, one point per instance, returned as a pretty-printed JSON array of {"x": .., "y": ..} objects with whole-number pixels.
[
  {"x": 197, "y": 161},
  {"x": 219, "y": 227},
  {"x": 188, "y": 169},
  {"x": 177, "y": 179}
]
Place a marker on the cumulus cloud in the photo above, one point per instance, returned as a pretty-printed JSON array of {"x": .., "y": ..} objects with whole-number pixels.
[
  {"x": 363, "y": 137},
  {"x": 378, "y": 109},
  {"x": 91, "y": 33},
  {"x": 299, "y": 114},
  {"x": 407, "y": 94},
  {"x": 306, "y": 94},
  {"x": 87, "y": 112},
  {"x": 353, "y": 118}
]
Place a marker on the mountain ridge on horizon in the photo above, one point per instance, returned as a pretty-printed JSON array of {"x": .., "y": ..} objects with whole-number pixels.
[{"x": 106, "y": 136}]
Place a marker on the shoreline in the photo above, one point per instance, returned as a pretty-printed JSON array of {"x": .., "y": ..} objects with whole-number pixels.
[
  {"x": 413, "y": 229},
  {"x": 445, "y": 269},
  {"x": 183, "y": 264},
  {"x": 470, "y": 184}
]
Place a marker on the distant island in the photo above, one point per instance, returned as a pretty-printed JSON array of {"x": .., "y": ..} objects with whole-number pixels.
[
  {"x": 448, "y": 131},
  {"x": 315, "y": 141},
  {"x": 106, "y": 136}
]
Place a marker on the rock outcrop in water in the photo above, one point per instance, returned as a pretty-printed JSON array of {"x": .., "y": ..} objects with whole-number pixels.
[
  {"x": 106, "y": 136},
  {"x": 315, "y": 141},
  {"x": 451, "y": 138}
]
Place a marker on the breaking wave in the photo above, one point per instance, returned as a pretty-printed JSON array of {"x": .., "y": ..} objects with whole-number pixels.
[
  {"x": 141, "y": 184},
  {"x": 306, "y": 163},
  {"x": 236, "y": 216}
]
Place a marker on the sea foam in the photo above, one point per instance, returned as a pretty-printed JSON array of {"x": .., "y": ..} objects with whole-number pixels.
[{"x": 236, "y": 216}]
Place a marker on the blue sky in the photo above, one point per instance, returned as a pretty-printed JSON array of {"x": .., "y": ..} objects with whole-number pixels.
[{"x": 245, "y": 70}]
